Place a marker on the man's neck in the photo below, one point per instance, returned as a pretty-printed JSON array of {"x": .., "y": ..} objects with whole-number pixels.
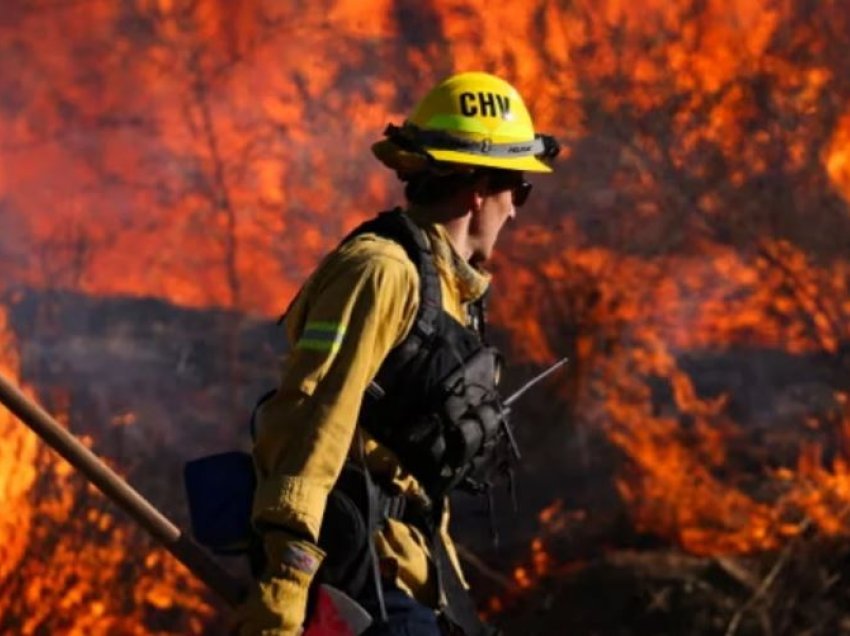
[{"x": 456, "y": 226}]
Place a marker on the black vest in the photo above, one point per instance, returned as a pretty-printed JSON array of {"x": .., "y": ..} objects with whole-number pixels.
[{"x": 418, "y": 402}]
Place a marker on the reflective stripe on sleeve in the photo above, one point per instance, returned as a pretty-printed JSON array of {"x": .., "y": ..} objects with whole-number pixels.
[{"x": 322, "y": 336}]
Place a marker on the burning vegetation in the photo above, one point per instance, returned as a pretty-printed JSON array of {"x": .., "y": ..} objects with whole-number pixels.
[{"x": 692, "y": 473}]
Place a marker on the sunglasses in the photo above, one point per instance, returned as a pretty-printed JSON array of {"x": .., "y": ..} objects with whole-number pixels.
[
  {"x": 519, "y": 194},
  {"x": 499, "y": 181}
]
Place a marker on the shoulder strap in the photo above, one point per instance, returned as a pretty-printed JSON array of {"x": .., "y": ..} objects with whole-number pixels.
[
  {"x": 478, "y": 316},
  {"x": 396, "y": 226}
]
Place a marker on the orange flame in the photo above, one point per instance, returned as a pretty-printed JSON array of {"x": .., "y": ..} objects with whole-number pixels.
[
  {"x": 68, "y": 564},
  {"x": 209, "y": 153}
]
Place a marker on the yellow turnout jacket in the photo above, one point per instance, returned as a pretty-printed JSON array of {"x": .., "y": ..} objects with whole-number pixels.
[{"x": 357, "y": 306}]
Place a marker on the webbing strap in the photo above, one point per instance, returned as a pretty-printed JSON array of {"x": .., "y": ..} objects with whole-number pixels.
[
  {"x": 397, "y": 226},
  {"x": 459, "y": 608},
  {"x": 371, "y": 529}
]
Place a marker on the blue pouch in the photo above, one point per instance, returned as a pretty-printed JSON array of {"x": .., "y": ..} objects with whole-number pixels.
[{"x": 220, "y": 492}]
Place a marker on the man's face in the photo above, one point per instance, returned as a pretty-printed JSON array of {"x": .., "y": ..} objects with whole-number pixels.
[{"x": 497, "y": 207}]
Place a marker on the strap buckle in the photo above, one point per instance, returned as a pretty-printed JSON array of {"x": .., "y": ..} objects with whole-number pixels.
[{"x": 394, "y": 506}]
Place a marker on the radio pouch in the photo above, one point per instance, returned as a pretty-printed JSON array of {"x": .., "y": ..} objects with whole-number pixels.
[{"x": 220, "y": 492}]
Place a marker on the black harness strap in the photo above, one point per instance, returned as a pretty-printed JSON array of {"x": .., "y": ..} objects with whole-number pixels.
[
  {"x": 398, "y": 227},
  {"x": 459, "y": 608},
  {"x": 395, "y": 225}
]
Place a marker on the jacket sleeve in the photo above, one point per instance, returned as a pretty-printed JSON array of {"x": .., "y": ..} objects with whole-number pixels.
[{"x": 352, "y": 313}]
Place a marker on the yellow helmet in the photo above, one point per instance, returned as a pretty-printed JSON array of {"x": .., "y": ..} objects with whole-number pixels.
[{"x": 469, "y": 119}]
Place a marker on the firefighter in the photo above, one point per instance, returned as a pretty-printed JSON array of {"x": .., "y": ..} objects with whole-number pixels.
[{"x": 387, "y": 398}]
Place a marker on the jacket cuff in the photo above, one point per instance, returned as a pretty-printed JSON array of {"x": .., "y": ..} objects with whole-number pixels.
[{"x": 295, "y": 503}]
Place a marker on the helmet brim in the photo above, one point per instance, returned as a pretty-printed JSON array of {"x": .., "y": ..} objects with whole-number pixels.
[{"x": 522, "y": 164}]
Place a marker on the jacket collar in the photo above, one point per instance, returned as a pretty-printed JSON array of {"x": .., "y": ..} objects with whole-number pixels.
[{"x": 469, "y": 283}]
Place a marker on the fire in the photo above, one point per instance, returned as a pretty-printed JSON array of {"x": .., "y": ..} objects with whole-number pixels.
[
  {"x": 209, "y": 153},
  {"x": 17, "y": 470},
  {"x": 540, "y": 564},
  {"x": 69, "y": 565},
  {"x": 837, "y": 157},
  {"x": 675, "y": 456}
]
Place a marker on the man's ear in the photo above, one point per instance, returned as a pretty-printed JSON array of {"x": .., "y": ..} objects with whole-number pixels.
[
  {"x": 478, "y": 192},
  {"x": 477, "y": 200}
]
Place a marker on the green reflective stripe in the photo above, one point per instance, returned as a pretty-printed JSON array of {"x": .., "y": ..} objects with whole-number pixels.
[
  {"x": 323, "y": 325},
  {"x": 317, "y": 345},
  {"x": 322, "y": 336}
]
